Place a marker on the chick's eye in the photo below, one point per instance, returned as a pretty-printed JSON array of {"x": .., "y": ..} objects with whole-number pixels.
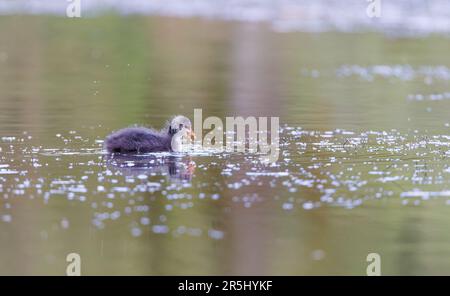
[{"x": 181, "y": 125}]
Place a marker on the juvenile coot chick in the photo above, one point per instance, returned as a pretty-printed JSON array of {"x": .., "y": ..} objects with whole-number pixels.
[{"x": 134, "y": 140}]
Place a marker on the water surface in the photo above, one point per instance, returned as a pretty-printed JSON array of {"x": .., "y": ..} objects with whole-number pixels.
[{"x": 364, "y": 161}]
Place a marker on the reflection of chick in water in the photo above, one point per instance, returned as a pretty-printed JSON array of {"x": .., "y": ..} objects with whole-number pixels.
[{"x": 176, "y": 168}]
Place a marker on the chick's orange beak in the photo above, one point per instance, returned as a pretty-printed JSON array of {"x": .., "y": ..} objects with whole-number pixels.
[{"x": 191, "y": 134}]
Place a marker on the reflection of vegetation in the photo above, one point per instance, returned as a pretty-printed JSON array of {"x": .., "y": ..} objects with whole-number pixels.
[
  {"x": 352, "y": 103},
  {"x": 109, "y": 70}
]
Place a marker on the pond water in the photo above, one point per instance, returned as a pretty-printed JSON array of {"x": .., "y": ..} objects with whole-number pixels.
[{"x": 364, "y": 149}]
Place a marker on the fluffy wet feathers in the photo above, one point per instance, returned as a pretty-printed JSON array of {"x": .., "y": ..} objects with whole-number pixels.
[{"x": 139, "y": 139}]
